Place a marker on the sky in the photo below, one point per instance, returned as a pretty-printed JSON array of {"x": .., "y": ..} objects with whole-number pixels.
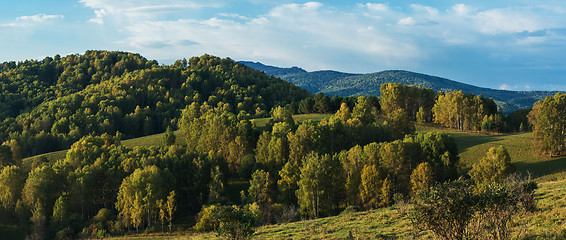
[{"x": 503, "y": 44}]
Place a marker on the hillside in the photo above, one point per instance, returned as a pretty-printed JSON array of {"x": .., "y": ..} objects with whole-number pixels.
[
  {"x": 347, "y": 84},
  {"x": 49, "y": 104}
]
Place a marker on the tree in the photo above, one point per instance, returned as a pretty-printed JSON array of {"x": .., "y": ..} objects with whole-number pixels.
[
  {"x": 343, "y": 113},
  {"x": 321, "y": 185},
  {"x": 12, "y": 180},
  {"x": 60, "y": 213},
  {"x": 171, "y": 207},
  {"x": 364, "y": 111},
  {"x": 422, "y": 178},
  {"x": 40, "y": 186},
  {"x": 290, "y": 175},
  {"x": 421, "y": 116},
  {"x": 399, "y": 124},
  {"x": 139, "y": 194},
  {"x": 370, "y": 187},
  {"x": 38, "y": 220},
  {"x": 261, "y": 190},
  {"x": 216, "y": 186},
  {"x": 494, "y": 167},
  {"x": 283, "y": 114},
  {"x": 548, "y": 118},
  {"x": 6, "y": 156},
  {"x": 169, "y": 138}
]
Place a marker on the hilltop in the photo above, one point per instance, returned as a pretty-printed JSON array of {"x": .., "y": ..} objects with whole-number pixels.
[{"x": 348, "y": 84}]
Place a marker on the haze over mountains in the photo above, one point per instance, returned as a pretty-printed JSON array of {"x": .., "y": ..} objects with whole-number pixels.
[{"x": 349, "y": 84}]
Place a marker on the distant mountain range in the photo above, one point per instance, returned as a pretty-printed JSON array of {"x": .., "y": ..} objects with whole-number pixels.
[{"x": 348, "y": 84}]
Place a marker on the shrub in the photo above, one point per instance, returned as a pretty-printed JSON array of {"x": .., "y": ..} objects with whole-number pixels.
[
  {"x": 234, "y": 223},
  {"x": 494, "y": 167},
  {"x": 206, "y": 219},
  {"x": 460, "y": 210}
]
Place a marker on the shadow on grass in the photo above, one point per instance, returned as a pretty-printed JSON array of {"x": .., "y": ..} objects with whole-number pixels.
[
  {"x": 467, "y": 140},
  {"x": 543, "y": 168}
]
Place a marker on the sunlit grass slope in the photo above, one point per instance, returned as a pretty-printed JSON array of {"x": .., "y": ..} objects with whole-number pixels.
[{"x": 473, "y": 146}]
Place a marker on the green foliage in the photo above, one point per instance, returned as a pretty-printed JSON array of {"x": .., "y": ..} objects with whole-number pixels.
[
  {"x": 60, "y": 218},
  {"x": 207, "y": 129},
  {"x": 457, "y": 210},
  {"x": 320, "y": 189},
  {"x": 466, "y": 111},
  {"x": 139, "y": 194},
  {"x": 261, "y": 189},
  {"x": 230, "y": 222},
  {"x": 169, "y": 137},
  {"x": 109, "y": 92},
  {"x": 371, "y": 187},
  {"x": 364, "y": 111},
  {"x": 494, "y": 167},
  {"x": 343, "y": 113},
  {"x": 206, "y": 220},
  {"x": 38, "y": 221},
  {"x": 518, "y": 121},
  {"x": 40, "y": 187},
  {"x": 446, "y": 209},
  {"x": 283, "y": 114},
  {"x": 399, "y": 124},
  {"x": 548, "y": 118},
  {"x": 216, "y": 186},
  {"x": 422, "y": 178},
  {"x": 235, "y": 223},
  {"x": 416, "y": 102},
  {"x": 170, "y": 208},
  {"x": 12, "y": 180}
]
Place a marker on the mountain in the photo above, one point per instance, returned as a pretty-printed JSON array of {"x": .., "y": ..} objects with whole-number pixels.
[
  {"x": 348, "y": 84},
  {"x": 273, "y": 71}
]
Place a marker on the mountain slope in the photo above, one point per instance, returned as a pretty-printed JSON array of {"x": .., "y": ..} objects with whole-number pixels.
[{"x": 347, "y": 84}]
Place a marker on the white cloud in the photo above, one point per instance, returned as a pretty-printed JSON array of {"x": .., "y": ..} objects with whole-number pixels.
[
  {"x": 28, "y": 21},
  {"x": 506, "y": 86},
  {"x": 406, "y": 21},
  {"x": 316, "y": 35},
  {"x": 507, "y": 20},
  {"x": 377, "y": 6},
  {"x": 99, "y": 16},
  {"x": 142, "y": 9}
]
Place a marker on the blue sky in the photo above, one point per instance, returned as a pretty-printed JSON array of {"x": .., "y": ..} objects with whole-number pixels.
[{"x": 504, "y": 44}]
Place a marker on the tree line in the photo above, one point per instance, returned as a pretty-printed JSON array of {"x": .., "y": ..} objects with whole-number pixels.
[{"x": 451, "y": 109}]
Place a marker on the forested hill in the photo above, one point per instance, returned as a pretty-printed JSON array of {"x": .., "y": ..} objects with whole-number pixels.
[
  {"x": 346, "y": 84},
  {"x": 46, "y": 105}
]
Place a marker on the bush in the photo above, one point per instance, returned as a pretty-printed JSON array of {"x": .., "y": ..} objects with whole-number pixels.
[
  {"x": 494, "y": 167},
  {"x": 460, "y": 210},
  {"x": 234, "y": 223},
  {"x": 207, "y": 219},
  {"x": 445, "y": 209},
  {"x": 229, "y": 222}
]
